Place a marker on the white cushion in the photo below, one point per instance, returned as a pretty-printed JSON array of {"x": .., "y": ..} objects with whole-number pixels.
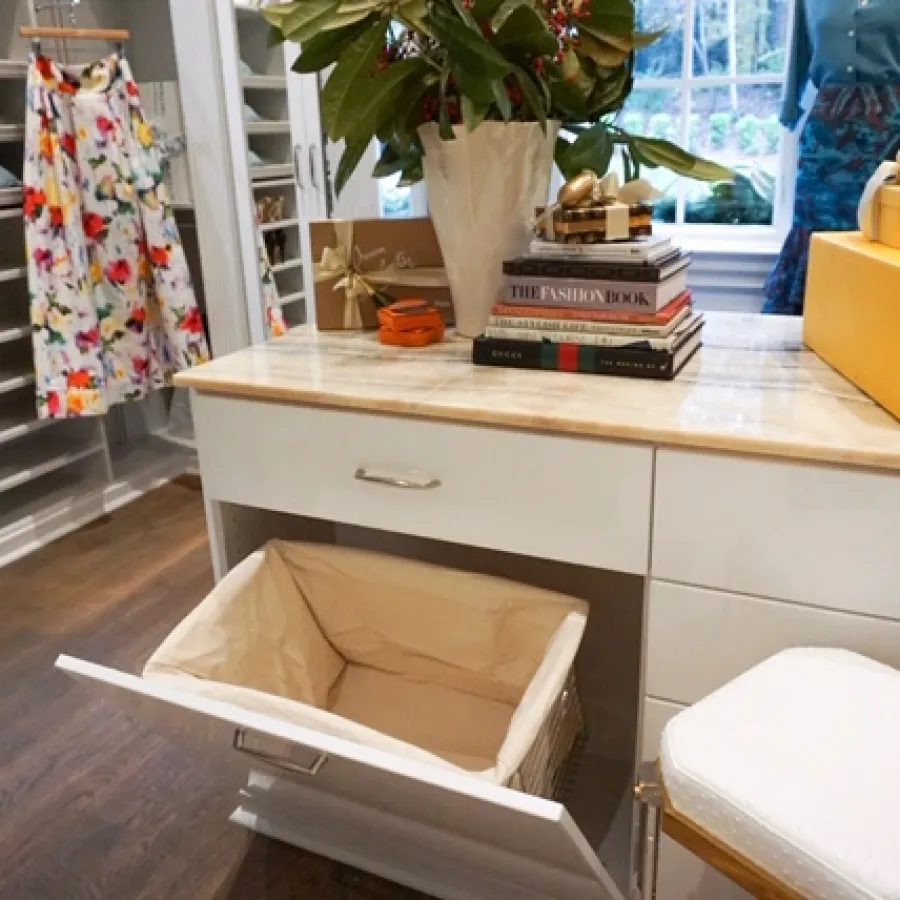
[{"x": 796, "y": 766}]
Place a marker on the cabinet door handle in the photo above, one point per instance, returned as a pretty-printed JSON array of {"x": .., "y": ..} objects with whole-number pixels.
[
  {"x": 298, "y": 171},
  {"x": 313, "y": 180},
  {"x": 280, "y": 762},
  {"x": 411, "y": 480}
]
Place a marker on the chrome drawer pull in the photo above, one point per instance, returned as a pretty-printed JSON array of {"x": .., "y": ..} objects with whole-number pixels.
[
  {"x": 414, "y": 481},
  {"x": 280, "y": 762}
]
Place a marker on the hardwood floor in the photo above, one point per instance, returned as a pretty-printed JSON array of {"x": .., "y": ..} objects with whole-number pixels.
[{"x": 92, "y": 806}]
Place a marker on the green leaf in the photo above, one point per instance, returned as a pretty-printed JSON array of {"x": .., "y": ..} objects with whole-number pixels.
[
  {"x": 656, "y": 151},
  {"x": 353, "y": 153},
  {"x": 414, "y": 12},
  {"x": 478, "y": 89},
  {"x": 379, "y": 96},
  {"x": 506, "y": 9},
  {"x": 599, "y": 50},
  {"x": 466, "y": 16},
  {"x": 473, "y": 113},
  {"x": 611, "y": 17},
  {"x": 342, "y": 18},
  {"x": 274, "y": 37},
  {"x": 309, "y": 18},
  {"x": 412, "y": 175},
  {"x": 574, "y": 74},
  {"x": 341, "y": 96},
  {"x": 642, "y": 39},
  {"x": 409, "y": 106},
  {"x": 568, "y": 100},
  {"x": 501, "y": 98},
  {"x": 466, "y": 47},
  {"x": 526, "y": 32},
  {"x": 592, "y": 149},
  {"x": 325, "y": 48},
  {"x": 276, "y": 13},
  {"x": 395, "y": 158},
  {"x": 610, "y": 93},
  {"x": 538, "y": 101},
  {"x": 445, "y": 127},
  {"x": 483, "y": 10}
]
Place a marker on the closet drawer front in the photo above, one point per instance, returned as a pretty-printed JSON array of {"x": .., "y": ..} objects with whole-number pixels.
[
  {"x": 811, "y": 534},
  {"x": 697, "y": 640},
  {"x": 556, "y": 498}
]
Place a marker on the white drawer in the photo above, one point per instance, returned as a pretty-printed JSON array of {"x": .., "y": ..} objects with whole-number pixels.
[
  {"x": 565, "y": 499},
  {"x": 681, "y": 875},
  {"x": 698, "y": 640},
  {"x": 817, "y": 535},
  {"x": 450, "y": 834}
]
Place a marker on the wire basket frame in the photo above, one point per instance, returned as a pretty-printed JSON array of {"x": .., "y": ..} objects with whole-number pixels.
[{"x": 550, "y": 765}]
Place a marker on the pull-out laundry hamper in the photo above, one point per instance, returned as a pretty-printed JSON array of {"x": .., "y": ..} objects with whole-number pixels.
[{"x": 447, "y": 668}]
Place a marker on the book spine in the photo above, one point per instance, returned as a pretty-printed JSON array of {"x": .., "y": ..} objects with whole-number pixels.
[
  {"x": 590, "y": 315},
  {"x": 572, "y": 358},
  {"x": 587, "y": 269},
  {"x": 577, "y": 326},
  {"x": 609, "y": 255},
  {"x": 631, "y": 297},
  {"x": 575, "y": 337}
]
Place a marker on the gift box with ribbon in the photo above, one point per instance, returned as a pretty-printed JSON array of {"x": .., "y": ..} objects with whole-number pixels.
[
  {"x": 363, "y": 264},
  {"x": 592, "y": 210}
]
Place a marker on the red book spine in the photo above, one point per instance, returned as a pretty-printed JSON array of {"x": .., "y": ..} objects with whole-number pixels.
[{"x": 663, "y": 317}]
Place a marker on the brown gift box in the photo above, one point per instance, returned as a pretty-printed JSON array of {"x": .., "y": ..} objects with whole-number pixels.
[{"x": 367, "y": 254}]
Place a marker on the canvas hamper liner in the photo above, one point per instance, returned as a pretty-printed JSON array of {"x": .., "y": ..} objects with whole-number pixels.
[{"x": 456, "y": 670}]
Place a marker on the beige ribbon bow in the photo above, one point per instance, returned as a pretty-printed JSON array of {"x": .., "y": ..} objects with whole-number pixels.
[
  {"x": 886, "y": 173},
  {"x": 346, "y": 262},
  {"x": 586, "y": 189}
]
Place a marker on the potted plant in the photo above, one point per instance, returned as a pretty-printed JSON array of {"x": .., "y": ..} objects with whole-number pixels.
[{"x": 479, "y": 97}]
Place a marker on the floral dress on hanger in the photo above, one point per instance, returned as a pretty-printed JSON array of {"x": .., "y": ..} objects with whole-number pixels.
[{"x": 113, "y": 310}]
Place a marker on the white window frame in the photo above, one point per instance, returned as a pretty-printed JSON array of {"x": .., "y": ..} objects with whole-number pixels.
[{"x": 752, "y": 239}]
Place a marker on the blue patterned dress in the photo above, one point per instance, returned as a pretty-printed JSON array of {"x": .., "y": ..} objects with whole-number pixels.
[{"x": 850, "y": 50}]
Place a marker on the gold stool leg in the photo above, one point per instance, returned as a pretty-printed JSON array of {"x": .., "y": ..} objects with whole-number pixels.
[{"x": 648, "y": 792}]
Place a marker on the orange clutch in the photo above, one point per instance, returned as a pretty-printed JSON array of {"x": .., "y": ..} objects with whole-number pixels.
[{"x": 410, "y": 323}]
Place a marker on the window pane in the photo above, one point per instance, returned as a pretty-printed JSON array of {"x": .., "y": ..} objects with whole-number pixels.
[
  {"x": 759, "y": 37},
  {"x": 737, "y": 126},
  {"x": 662, "y": 59},
  {"x": 395, "y": 201},
  {"x": 655, "y": 112}
]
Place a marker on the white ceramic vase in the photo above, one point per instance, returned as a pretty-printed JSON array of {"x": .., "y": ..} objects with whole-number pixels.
[{"x": 483, "y": 188}]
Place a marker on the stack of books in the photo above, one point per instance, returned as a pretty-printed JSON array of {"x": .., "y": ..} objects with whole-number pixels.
[{"x": 606, "y": 309}]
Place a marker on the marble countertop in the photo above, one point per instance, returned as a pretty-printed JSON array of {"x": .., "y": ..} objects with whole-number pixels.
[{"x": 753, "y": 388}]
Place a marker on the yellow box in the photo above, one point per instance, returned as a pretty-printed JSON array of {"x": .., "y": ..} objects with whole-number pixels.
[
  {"x": 852, "y": 312},
  {"x": 889, "y": 215}
]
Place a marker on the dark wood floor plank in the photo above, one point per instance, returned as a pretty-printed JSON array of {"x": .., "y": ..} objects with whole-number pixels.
[{"x": 92, "y": 805}]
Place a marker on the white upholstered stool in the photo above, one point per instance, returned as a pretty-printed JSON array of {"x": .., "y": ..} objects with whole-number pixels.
[{"x": 787, "y": 780}]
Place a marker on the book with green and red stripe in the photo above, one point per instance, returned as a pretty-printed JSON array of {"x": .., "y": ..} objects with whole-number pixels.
[{"x": 588, "y": 358}]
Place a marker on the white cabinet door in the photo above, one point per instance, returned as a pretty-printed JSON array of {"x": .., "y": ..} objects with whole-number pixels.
[{"x": 451, "y": 834}]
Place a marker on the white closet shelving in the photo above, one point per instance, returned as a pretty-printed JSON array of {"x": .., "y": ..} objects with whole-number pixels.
[{"x": 285, "y": 138}]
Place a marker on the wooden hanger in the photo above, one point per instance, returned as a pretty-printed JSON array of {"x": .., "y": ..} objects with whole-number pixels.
[{"x": 37, "y": 32}]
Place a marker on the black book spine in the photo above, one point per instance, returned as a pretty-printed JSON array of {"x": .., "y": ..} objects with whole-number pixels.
[
  {"x": 586, "y": 359},
  {"x": 590, "y": 270}
]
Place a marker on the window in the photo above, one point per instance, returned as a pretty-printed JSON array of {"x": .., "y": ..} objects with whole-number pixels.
[{"x": 713, "y": 83}]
